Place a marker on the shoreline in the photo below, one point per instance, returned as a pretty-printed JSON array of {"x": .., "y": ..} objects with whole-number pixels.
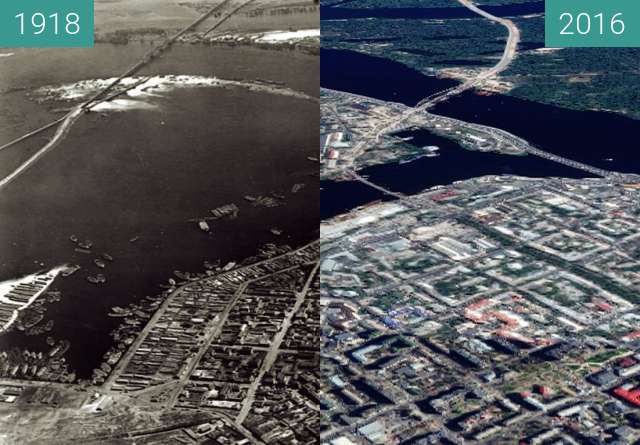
[
  {"x": 268, "y": 40},
  {"x": 7, "y": 287}
]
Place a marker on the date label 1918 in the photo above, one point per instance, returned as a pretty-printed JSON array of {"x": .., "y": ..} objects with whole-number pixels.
[
  {"x": 592, "y": 23},
  {"x": 46, "y": 24}
]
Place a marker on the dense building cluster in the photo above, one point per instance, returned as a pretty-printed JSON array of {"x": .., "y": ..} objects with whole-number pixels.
[
  {"x": 227, "y": 356},
  {"x": 494, "y": 310},
  {"x": 286, "y": 408},
  {"x": 351, "y": 125}
]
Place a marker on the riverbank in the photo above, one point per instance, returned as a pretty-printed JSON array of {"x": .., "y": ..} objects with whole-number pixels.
[
  {"x": 155, "y": 16},
  {"x": 131, "y": 181}
]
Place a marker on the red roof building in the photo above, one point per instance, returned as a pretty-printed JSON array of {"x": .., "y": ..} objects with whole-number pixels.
[
  {"x": 630, "y": 396},
  {"x": 626, "y": 362}
]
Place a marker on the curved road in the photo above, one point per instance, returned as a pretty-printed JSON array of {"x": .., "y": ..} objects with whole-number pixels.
[
  {"x": 509, "y": 50},
  {"x": 509, "y": 53}
]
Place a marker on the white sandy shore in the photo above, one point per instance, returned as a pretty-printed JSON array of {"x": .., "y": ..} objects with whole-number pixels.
[
  {"x": 7, "y": 286},
  {"x": 288, "y": 36},
  {"x": 142, "y": 94}
]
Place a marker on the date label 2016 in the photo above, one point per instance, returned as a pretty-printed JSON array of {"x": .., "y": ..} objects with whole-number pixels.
[
  {"x": 592, "y": 23},
  {"x": 46, "y": 24}
]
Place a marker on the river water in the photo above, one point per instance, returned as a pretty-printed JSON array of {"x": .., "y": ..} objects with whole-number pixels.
[
  {"x": 144, "y": 173},
  {"x": 598, "y": 138},
  {"x": 372, "y": 76},
  {"x": 453, "y": 163}
]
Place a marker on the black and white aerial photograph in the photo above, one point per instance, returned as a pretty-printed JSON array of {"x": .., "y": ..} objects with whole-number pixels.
[{"x": 159, "y": 208}]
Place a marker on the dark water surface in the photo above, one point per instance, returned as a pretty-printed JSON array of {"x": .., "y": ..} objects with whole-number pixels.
[
  {"x": 145, "y": 173},
  {"x": 376, "y": 77},
  {"x": 455, "y": 12},
  {"x": 454, "y": 163},
  {"x": 338, "y": 197},
  {"x": 602, "y": 139}
]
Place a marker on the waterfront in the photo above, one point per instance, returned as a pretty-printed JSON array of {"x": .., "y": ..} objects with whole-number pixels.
[
  {"x": 455, "y": 163},
  {"x": 591, "y": 137},
  {"x": 506, "y": 293},
  {"x": 338, "y": 197},
  {"x": 597, "y": 138},
  {"x": 143, "y": 173},
  {"x": 452, "y": 164},
  {"x": 584, "y": 136}
]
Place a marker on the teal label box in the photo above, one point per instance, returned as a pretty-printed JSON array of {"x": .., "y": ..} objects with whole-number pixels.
[
  {"x": 46, "y": 23},
  {"x": 592, "y": 23}
]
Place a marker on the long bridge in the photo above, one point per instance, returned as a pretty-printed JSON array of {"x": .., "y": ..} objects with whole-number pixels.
[
  {"x": 356, "y": 176},
  {"x": 520, "y": 143},
  {"x": 517, "y": 142},
  {"x": 66, "y": 122},
  {"x": 158, "y": 50}
]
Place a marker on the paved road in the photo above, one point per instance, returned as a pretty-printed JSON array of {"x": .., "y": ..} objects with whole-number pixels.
[
  {"x": 362, "y": 179},
  {"x": 512, "y": 42},
  {"x": 274, "y": 349},
  {"x": 508, "y": 55},
  {"x": 124, "y": 361},
  {"x": 212, "y": 332},
  {"x": 147, "y": 433}
]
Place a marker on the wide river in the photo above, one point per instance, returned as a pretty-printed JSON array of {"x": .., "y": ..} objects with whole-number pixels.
[
  {"x": 601, "y": 139},
  {"x": 145, "y": 173}
]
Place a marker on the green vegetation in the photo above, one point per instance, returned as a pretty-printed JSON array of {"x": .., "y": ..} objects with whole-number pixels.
[
  {"x": 371, "y": 279},
  {"x": 399, "y": 344},
  {"x": 605, "y": 356},
  {"x": 387, "y": 302},
  {"x": 447, "y": 288},
  {"x": 419, "y": 44},
  {"x": 579, "y": 78},
  {"x": 581, "y": 271},
  {"x": 419, "y": 264}
]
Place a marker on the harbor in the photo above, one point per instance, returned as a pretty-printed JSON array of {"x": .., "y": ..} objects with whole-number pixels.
[
  {"x": 109, "y": 203},
  {"x": 17, "y": 295}
]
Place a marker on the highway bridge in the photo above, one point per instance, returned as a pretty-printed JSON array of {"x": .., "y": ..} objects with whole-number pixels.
[
  {"x": 513, "y": 140},
  {"x": 550, "y": 156},
  {"x": 64, "y": 123},
  {"x": 364, "y": 180},
  {"x": 158, "y": 50},
  {"x": 360, "y": 98},
  {"x": 508, "y": 54},
  {"x": 523, "y": 145},
  {"x": 404, "y": 124}
]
